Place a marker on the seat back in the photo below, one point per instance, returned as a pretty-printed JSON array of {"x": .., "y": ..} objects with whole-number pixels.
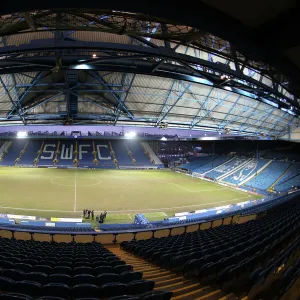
[
  {"x": 56, "y": 290},
  {"x": 107, "y": 278},
  {"x": 85, "y": 291},
  {"x": 84, "y": 279},
  {"x": 31, "y": 288}
]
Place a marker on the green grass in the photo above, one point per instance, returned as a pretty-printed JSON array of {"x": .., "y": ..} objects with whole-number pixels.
[{"x": 123, "y": 193}]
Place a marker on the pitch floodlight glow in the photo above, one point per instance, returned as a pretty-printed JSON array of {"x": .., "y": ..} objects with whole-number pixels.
[
  {"x": 130, "y": 135},
  {"x": 21, "y": 134},
  {"x": 163, "y": 139}
]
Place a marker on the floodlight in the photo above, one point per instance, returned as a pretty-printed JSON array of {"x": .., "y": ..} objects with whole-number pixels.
[
  {"x": 94, "y": 55},
  {"x": 163, "y": 139},
  {"x": 21, "y": 134},
  {"x": 130, "y": 134}
]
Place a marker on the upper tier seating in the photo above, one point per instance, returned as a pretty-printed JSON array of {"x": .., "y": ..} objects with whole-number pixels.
[
  {"x": 216, "y": 161},
  {"x": 236, "y": 255},
  {"x": 246, "y": 171},
  {"x": 66, "y": 271},
  {"x": 13, "y": 153},
  {"x": 67, "y": 153},
  {"x": 197, "y": 162},
  {"x": 121, "y": 153},
  {"x": 290, "y": 178},
  {"x": 288, "y": 184},
  {"x": 104, "y": 157},
  {"x": 66, "y": 156},
  {"x": 226, "y": 167},
  {"x": 30, "y": 153},
  {"x": 138, "y": 153},
  {"x": 291, "y": 156},
  {"x": 269, "y": 175},
  {"x": 48, "y": 153},
  {"x": 85, "y": 156}
]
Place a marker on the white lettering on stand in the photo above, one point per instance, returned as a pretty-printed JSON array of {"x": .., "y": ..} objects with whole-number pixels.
[
  {"x": 99, "y": 153},
  {"x": 48, "y": 151},
  {"x": 66, "y": 152},
  {"x": 81, "y": 151}
]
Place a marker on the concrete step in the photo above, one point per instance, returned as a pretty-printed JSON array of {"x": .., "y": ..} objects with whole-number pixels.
[
  {"x": 217, "y": 294},
  {"x": 169, "y": 280},
  {"x": 159, "y": 277},
  {"x": 190, "y": 294},
  {"x": 230, "y": 296}
]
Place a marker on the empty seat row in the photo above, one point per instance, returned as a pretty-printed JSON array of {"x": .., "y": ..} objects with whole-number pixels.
[
  {"x": 216, "y": 254},
  {"x": 43, "y": 278},
  {"x": 66, "y": 270},
  {"x": 34, "y": 289},
  {"x": 150, "y": 295}
]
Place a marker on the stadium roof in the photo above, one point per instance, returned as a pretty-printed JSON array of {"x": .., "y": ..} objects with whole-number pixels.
[{"x": 234, "y": 69}]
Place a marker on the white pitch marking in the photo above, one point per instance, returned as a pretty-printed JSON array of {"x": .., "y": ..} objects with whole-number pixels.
[
  {"x": 124, "y": 211},
  {"x": 52, "y": 180},
  {"x": 75, "y": 195},
  {"x": 184, "y": 188},
  {"x": 176, "y": 207}
]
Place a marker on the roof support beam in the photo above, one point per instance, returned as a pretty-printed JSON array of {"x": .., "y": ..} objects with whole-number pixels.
[
  {"x": 281, "y": 119},
  {"x": 201, "y": 107},
  {"x": 264, "y": 116},
  {"x": 220, "y": 101},
  {"x": 168, "y": 107},
  {"x": 15, "y": 104},
  {"x": 141, "y": 57},
  {"x": 29, "y": 20},
  {"x": 93, "y": 102},
  {"x": 109, "y": 89},
  {"x": 223, "y": 122},
  {"x": 254, "y": 106},
  {"x": 34, "y": 82},
  {"x": 125, "y": 94},
  {"x": 35, "y": 105},
  {"x": 143, "y": 41}
]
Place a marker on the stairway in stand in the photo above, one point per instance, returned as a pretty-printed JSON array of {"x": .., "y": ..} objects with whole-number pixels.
[{"x": 182, "y": 288}]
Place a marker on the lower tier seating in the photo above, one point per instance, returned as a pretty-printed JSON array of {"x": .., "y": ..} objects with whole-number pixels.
[
  {"x": 43, "y": 269},
  {"x": 236, "y": 258},
  {"x": 269, "y": 175}
]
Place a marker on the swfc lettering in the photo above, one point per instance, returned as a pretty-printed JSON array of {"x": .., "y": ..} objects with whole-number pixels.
[{"x": 67, "y": 152}]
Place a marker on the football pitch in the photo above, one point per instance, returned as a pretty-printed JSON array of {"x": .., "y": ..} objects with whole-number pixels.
[{"x": 123, "y": 193}]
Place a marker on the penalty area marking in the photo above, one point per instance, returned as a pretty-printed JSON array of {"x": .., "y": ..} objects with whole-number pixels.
[{"x": 126, "y": 211}]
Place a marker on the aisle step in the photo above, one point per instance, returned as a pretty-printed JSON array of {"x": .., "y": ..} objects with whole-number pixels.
[
  {"x": 211, "y": 296},
  {"x": 159, "y": 277},
  {"x": 189, "y": 294},
  {"x": 182, "y": 288},
  {"x": 176, "y": 286},
  {"x": 170, "y": 281},
  {"x": 157, "y": 273},
  {"x": 143, "y": 267},
  {"x": 230, "y": 296}
]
